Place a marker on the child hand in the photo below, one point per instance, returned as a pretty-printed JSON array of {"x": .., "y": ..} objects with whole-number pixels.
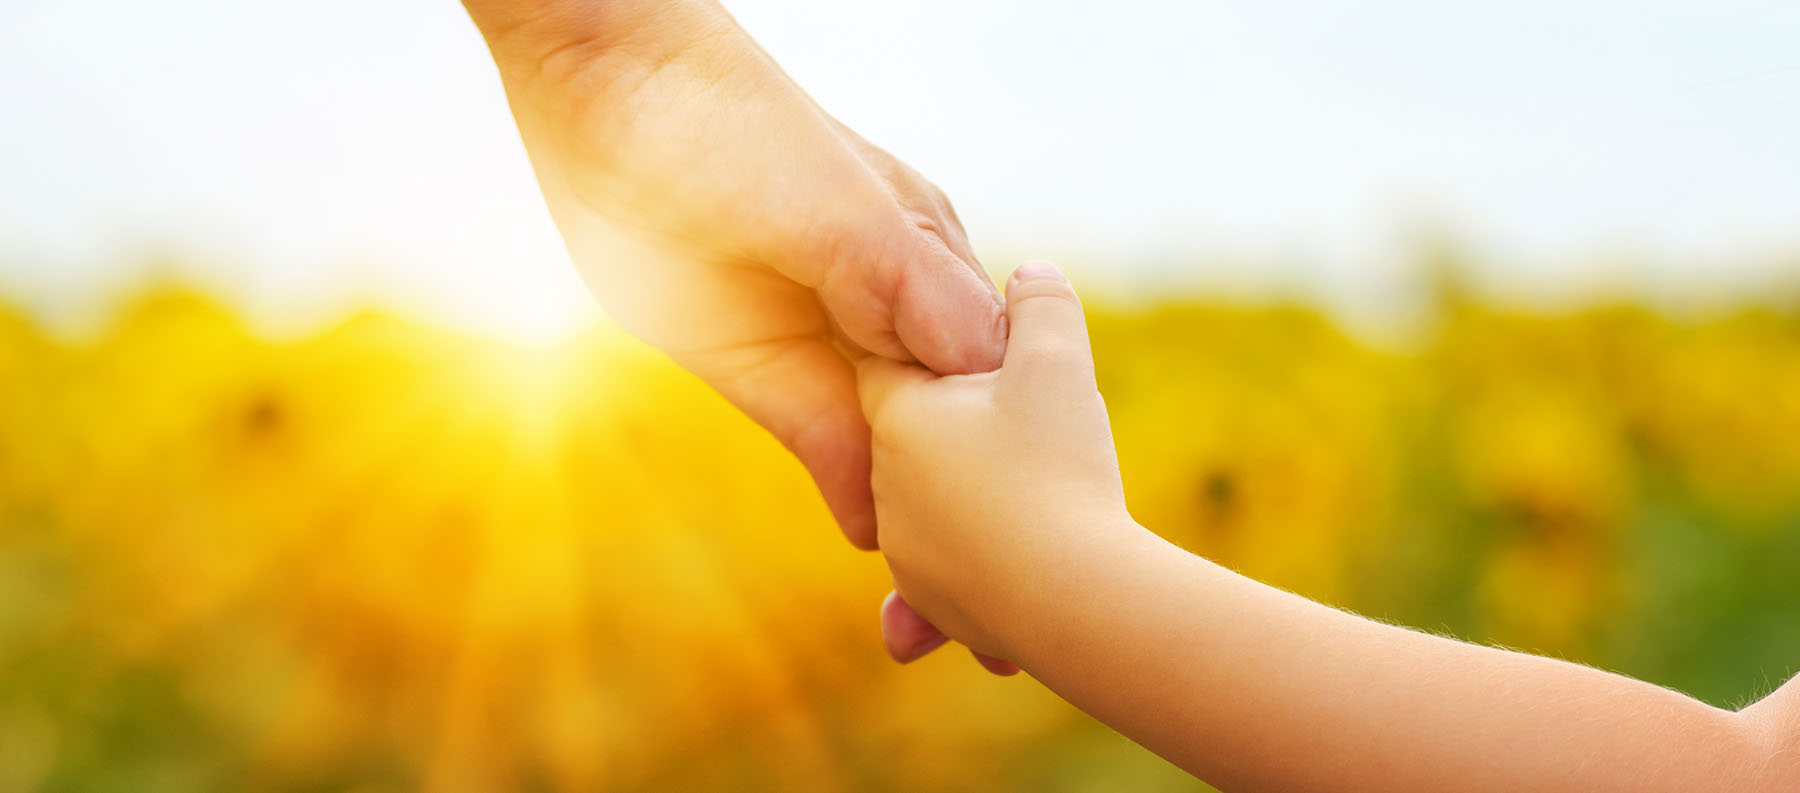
[{"x": 987, "y": 486}]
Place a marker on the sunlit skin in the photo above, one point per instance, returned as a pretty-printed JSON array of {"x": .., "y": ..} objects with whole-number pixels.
[
  {"x": 1244, "y": 685},
  {"x": 723, "y": 217},
  {"x": 719, "y": 214}
]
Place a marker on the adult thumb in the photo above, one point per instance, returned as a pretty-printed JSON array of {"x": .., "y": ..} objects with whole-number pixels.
[
  {"x": 900, "y": 291},
  {"x": 1048, "y": 337}
]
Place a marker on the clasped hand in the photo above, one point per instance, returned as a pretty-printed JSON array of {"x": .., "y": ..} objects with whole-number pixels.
[{"x": 720, "y": 215}]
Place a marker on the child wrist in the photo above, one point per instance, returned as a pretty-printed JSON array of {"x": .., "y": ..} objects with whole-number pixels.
[{"x": 1055, "y": 588}]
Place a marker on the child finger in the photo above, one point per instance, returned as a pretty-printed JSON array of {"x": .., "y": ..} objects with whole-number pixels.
[
  {"x": 1048, "y": 331},
  {"x": 907, "y": 635},
  {"x": 878, "y": 378}
]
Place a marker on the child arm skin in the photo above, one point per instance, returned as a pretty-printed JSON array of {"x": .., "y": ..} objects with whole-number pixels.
[{"x": 1004, "y": 523}]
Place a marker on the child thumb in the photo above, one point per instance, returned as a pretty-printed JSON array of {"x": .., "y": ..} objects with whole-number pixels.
[{"x": 1048, "y": 333}]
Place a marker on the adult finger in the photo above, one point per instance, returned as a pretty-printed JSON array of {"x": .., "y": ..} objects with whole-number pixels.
[
  {"x": 907, "y": 635},
  {"x": 927, "y": 206}
]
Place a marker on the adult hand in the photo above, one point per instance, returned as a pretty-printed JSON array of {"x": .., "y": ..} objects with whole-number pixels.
[{"x": 718, "y": 214}]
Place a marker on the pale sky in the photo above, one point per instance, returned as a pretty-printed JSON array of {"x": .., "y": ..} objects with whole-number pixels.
[{"x": 302, "y": 155}]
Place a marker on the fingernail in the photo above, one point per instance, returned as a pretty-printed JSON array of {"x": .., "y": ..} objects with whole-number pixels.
[{"x": 1036, "y": 269}]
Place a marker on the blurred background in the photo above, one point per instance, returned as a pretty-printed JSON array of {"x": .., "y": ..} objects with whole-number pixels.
[{"x": 320, "y": 471}]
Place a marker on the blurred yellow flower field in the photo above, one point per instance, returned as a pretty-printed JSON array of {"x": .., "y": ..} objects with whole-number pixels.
[{"x": 390, "y": 557}]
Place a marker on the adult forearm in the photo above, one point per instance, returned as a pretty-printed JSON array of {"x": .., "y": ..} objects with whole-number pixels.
[{"x": 1252, "y": 688}]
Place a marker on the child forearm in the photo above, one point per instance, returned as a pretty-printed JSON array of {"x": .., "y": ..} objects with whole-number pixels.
[
  {"x": 1004, "y": 521},
  {"x": 1252, "y": 688},
  {"x": 1256, "y": 689}
]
